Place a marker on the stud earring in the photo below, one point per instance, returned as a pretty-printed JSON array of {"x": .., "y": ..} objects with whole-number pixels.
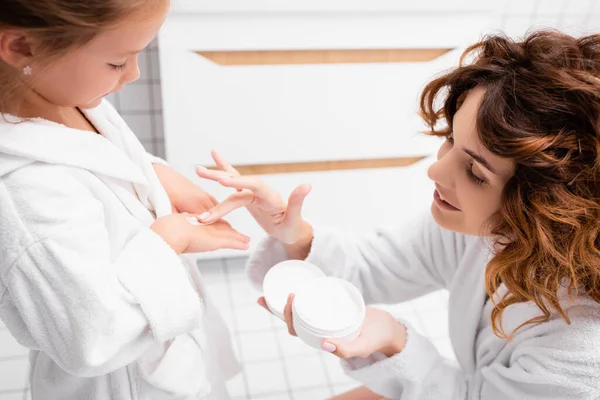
[{"x": 27, "y": 70}]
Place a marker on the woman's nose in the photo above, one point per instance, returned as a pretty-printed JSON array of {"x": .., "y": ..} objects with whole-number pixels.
[{"x": 441, "y": 171}]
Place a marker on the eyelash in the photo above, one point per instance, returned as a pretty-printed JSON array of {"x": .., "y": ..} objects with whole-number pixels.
[
  {"x": 118, "y": 67},
  {"x": 477, "y": 180},
  {"x": 469, "y": 169}
]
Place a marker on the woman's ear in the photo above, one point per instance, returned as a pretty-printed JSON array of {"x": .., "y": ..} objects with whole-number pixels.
[{"x": 15, "y": 49}]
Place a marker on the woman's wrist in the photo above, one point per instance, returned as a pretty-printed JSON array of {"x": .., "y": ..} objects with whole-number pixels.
[
  {"x": 397, "y": 341},
  {"x": 300, "y": 249}
]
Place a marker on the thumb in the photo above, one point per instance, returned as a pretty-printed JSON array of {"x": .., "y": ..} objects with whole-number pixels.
[
  {"x": 296, "y": 200},
  {"x": 358, "y": 347}
]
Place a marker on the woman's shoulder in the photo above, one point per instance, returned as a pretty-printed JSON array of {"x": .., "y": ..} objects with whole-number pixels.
[{"x": 581, "y": 311}]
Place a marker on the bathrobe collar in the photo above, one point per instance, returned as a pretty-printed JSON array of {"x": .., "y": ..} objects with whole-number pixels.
[{"x": 26, "y": 141}]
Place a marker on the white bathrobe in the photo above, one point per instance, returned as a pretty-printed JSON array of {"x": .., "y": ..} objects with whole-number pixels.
[
  {"x": 107, "y": 308},
  {"x": 550, "y": 360}
]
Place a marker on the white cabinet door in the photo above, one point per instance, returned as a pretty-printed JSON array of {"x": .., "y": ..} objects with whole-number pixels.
[{"x": 294, "y": 113}]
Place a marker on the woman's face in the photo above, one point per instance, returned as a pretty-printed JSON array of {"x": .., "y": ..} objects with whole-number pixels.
[{"x": 469, "y": 179}]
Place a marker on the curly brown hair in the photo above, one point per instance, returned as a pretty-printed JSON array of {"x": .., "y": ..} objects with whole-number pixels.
[{"x": 541, "y": 109}]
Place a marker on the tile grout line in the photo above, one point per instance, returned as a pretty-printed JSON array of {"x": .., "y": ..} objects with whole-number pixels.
[
  {"x": 150, "y": 93},
  {"x": 234, "y": 328},
  {"x": 327, "y": 376},
  {"x": 280, "y": 351},
  {"x": 282, "y": 359}
]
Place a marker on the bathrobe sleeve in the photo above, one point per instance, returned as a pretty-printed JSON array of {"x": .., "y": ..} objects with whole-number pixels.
[
  {"x": 549, "y": 361},
  {"x": 155, "y": 160},
  {"x": 90, "y": 307},
  {"x": 387, "y": 266}
]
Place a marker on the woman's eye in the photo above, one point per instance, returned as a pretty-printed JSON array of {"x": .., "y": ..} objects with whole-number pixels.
[
  {"x": 450, "y": 138},
  {"x": 477, "y": 180}
]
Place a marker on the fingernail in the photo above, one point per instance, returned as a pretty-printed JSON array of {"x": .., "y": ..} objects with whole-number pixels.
[
  {"x": 193, "y": 221},
  {"x": 226, "y": 178},
  {"x": 328, "y": 347},
  {"x": 201, "y": 167},
  {"x": 204, "y": 215}
]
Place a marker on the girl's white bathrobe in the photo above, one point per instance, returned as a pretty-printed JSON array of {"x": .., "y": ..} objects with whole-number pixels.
[
  {"x": 546, "y": 361},
  {"x": 107, "y": 308}
]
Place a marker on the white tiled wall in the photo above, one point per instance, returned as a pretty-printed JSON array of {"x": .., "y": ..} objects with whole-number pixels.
[
  {"x": 278, "y": 366},
  {"x": 140, "y": 103}
]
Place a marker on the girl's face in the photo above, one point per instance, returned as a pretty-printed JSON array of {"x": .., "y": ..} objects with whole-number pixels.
[
  {"x": 469, "y": 179},
  {"x": 84, "y": 76}
]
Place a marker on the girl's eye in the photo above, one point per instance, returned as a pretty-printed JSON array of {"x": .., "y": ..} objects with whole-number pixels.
[
  {"x": 118, "y": 67},
  {"x": 477, "y": 180},
  {"x": 450, "y": 138}
]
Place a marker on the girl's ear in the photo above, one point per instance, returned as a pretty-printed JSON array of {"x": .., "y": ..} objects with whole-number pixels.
[{"x": 15, "y": 49}]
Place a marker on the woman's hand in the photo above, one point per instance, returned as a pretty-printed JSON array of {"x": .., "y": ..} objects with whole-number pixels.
[
  {"x": 279, "y": 219},
  {"x": 185, "y": 234},
  {"x": 381, "y": 333}
]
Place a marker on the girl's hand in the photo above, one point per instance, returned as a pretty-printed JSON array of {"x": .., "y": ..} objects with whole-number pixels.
[
  {"x": 185, "y": 234},
  {"x": 380, "y": 333},
  {"x": 279, "y": 219}
]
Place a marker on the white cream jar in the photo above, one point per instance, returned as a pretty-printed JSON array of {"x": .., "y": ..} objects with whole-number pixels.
[{"x": 323, "y": 307}]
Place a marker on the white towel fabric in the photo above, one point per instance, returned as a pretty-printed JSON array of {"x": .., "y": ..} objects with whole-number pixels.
[
  {"x": 550, "y": 360},
  {"x": 106, "y": 306}
]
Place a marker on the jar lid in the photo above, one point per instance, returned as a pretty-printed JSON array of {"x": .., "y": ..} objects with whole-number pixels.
[
  {"x": 330, "y": 307},
  {"x": 285, "y": 278}
]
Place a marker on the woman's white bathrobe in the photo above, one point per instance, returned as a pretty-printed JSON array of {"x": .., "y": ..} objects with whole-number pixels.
[
  {"x": 108, "y": 309},
  {"x": 546, "y": 361}
]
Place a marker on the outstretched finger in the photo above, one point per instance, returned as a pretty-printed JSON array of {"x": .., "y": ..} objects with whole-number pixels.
[
  {"x": 212, "y": 174},
  {"x": 266, "y": 195},
  {"x": 233, "y": 202},
  {"x": 222, "y": 164},
  {"x": 219, "y": 242},
  {"x": 296, "y": 200}
]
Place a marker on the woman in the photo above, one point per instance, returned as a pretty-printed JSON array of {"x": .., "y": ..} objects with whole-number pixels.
[{"x": 513, "y": 233}]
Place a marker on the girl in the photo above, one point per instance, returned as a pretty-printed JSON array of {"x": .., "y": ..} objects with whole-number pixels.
[
  {"x": 513, "y": 234},
  {"x": 91, "y": 278}
]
